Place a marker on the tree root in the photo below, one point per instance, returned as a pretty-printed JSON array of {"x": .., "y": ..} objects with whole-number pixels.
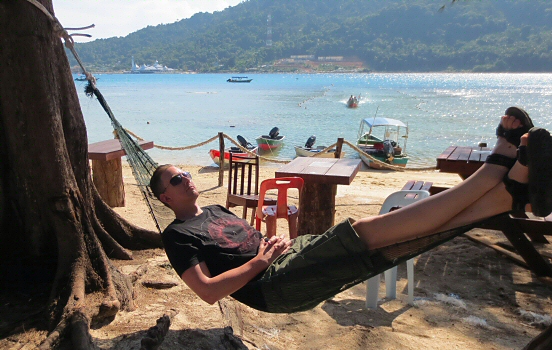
[
  {"x": 87, "y": 286},
  {"x": 156, "y": 334},
  {"x": 126, "y": 234},
  {"x": 78, "y": 325},
  {"x": 111, "y": 247}
]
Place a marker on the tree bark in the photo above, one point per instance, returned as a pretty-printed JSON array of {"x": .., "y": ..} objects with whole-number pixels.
[{"x": 49, "y": 207}]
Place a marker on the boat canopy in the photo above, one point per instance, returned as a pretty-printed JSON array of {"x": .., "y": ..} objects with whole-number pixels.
[{"x": 380, "y": 121}]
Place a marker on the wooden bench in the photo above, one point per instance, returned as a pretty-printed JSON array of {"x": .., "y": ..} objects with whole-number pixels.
[
  {"x": 521, "y": 231},
  {"x": 423, "y": 186},
  {"x": 107, "y": 170}
]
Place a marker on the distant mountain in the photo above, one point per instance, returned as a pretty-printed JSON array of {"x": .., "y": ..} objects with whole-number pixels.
[{"x": 386, "y": 35}]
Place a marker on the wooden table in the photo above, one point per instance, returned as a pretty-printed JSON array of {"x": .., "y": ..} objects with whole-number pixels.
[
  {"x": 462, "y": 160},
  {"x": 317, "y": 200},
  {"x": 522, "y": 232},
  {"x": 107, "y": 170}
]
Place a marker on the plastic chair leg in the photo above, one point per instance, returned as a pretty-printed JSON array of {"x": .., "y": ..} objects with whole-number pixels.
[
  {"x": 372, "y": 291},
  {"x": 410, "y": 275},
  {"x": 391, "y": 283}
]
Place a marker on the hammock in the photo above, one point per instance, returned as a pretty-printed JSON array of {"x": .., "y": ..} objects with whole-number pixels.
[{"x": 141, "y": 164}]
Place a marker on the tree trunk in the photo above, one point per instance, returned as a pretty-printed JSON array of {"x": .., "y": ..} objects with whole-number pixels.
[{"x": 49, "y": 207}]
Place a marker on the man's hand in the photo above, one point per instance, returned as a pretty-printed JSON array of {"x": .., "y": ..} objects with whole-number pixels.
[
  {"x": 211, "y": 289},
  {"x": 271, "y": 248}
]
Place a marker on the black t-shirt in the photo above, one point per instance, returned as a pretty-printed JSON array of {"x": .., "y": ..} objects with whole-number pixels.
[{"x": 217, "y": 237}]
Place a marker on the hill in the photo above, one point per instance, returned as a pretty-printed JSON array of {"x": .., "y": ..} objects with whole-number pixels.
[{"x": 384, "y": 35}]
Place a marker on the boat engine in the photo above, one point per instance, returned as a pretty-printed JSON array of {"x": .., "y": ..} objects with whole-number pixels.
[
  {"x": 310, "y": 142},
  {"x": 388, "y": 148},
  {"x": 274, "y": 132},
  {"x": 243, "y": 142}
]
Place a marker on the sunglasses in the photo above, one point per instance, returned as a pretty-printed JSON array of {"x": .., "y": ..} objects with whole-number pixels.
[{"x": 177, "y": 179}]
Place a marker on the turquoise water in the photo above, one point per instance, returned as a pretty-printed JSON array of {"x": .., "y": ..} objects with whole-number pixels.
[{"x": 441, "y": 109}]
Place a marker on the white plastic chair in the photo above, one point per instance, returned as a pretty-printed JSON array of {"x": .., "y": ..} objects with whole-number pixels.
[{"x": 395, "y": 200}]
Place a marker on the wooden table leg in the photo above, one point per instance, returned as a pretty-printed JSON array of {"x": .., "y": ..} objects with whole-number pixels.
[
  {"x": 527, "y": 251},
  {"x": 519, "y": 241},
  {"x": 317, "y": 208},
  {"x": 108, "y": 178}
]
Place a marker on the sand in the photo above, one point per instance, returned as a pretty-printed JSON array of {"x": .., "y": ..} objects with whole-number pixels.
[{"x": 466, "y": 295}]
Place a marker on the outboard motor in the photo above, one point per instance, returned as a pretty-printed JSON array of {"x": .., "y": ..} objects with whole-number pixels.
[
  {"x": 274, "y": 132},
  {"x": 243, "y": 142},
  {"x": 388, "y": 148},
  {"x": 310, "y": 142}
]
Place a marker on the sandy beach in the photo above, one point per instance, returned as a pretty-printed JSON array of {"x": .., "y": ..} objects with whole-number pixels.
[{"x": 466, "y": 295}]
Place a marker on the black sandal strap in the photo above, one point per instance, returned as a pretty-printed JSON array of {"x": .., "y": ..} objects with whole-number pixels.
[
  {"x": 519, "y": 192},
  {"x": 522, "y": 155},
  {"x": 513, "y": 136},
  {"x": 500, "y": 159}
]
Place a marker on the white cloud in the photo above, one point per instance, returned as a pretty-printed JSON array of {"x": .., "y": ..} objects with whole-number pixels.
[{"x": 120, "y": 17}]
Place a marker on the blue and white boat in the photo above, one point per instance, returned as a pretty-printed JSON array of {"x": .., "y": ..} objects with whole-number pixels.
[{"x": 383, "y": 139}]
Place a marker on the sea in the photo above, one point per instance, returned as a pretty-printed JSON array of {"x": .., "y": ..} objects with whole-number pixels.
[{"x": 441, "y": 109}]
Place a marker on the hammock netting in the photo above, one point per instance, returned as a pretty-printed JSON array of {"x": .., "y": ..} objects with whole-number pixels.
[{"x": 140, "y": 162}]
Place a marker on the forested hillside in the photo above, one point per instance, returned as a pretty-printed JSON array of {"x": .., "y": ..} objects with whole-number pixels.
[{"x": 386, "y": 35}]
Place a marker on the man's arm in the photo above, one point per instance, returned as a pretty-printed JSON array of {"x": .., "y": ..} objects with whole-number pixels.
[{"x": 212, "y": 289}]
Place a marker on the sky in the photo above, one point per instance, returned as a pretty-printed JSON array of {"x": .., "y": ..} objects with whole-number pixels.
[{"x": 121, "y": 17}]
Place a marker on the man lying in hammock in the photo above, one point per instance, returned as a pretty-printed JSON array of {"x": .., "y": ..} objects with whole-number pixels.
[{"x": 218, "y": 254}]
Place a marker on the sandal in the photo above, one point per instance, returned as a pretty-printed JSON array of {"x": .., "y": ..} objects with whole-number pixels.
[
  {"x": 500, "y": 159},
  {"x": 539, "y": 162},
  {"x": 513, "y": 136},
  {"x": 519, "y": 192},
  {"x": 522, "y": 155}
]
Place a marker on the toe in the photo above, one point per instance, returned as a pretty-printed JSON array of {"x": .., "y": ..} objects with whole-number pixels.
[
  {"x": 510, "y": 123},
  {"x": 523, "y": 140}
]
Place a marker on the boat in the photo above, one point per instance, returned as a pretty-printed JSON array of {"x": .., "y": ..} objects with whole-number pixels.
[
  {"x": 270, "y": 142},
  {"x": 145, "y": 69},
  {"x": 353, "y": 101},
  {"x": 215, "y": 153},
  {"x": 385, "y": 140},
  {"x": 239, "y": 80},
  {"x": 82, "y": 77},
  {"x": 309, "y": 150}
]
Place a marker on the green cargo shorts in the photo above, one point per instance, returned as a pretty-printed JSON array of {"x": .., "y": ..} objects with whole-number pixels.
[{"x": 317, "y": 267}]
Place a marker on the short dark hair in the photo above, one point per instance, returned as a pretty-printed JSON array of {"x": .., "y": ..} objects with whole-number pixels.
[{"x": 156, "y": 184}]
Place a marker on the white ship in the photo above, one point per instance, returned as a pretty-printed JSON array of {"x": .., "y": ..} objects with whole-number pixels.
[{"x": 145, "y": 69}]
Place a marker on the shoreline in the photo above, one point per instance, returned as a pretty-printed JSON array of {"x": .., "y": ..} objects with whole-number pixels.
[{"x": 78, "y": 71}]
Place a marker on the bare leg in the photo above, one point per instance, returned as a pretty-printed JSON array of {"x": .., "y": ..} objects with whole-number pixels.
[
  {"x": 494, "y": 202},
  {"x": 428, "y": 215}
]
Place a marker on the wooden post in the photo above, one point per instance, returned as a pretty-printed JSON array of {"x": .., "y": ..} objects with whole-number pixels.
[
  {"x": 317, "y": 212},
  {"x": 338, "y": 147},
  {"x": 221, "y": 159},
  {"x": 108, "y": 178}
]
